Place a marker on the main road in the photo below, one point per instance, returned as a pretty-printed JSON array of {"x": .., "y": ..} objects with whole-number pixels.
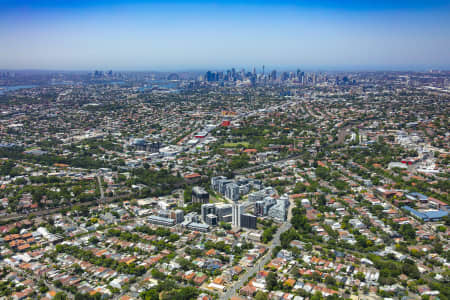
[
  {"x": 233, "y": 290},
  {"x": 100, "y": 185}
]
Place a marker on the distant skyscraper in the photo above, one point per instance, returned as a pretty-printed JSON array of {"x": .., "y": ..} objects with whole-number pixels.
[
  {"x": 208, "y": 76},
  {"x": 229, "y": 78},
  {"x": 273, "y": 75},
  {"x": 299, "y": 75}
]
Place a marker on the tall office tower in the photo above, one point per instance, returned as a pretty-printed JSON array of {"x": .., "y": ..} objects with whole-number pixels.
[
  {"x": 242, "y": 74},
  {"x": 209, "y": 76},
  {"x": 254, "y": 71},
  {"x": 274, "y": 75},
  {"x": 236, "y": 215},
  {"x": 263, "y": 70}
]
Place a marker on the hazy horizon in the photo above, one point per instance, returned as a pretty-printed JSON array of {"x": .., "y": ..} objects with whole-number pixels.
[
  {"x": 197, "y": 35},
  {"x": 418, "y": 69}
]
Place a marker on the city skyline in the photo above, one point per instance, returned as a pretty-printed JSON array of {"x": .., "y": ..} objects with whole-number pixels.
[{"x": 196, "y": 35}]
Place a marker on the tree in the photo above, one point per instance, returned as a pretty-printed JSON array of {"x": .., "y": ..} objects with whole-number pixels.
[
  {"x": 80, "y": 296},
  {"x": 271, "y": 281},
  {"x": 188, "y": 194},
  {"x": 317, "y": 296},
  {"x": 268, "y": 234},
  {"x": 77, "y": 269},
  {"x": 299, "y": 220},
  {"x": 157, "y": 274},
  {"x": 288, "y": 236},
  {"x": 187, "y": 293},
  {"x": 42, "y": 287},
  {"x": 322, "y": 201},
  {"x": 437, "y": 247},
  {"x": 238, "y": 162},
  {"x": 322, "y": 172},
  {"x": 93, "y": 240},
  {"x": 330, "y": 281},
  {"x": 226, "y": 226},
  {"x": 151, "y": 294},
  {"x": 299, "y": 188},
  {"x": 261, "y": 296},
  {"x": 410, "y": 269},
  {"x": 408, "y": 231},
  {"x": 60, "y": 296},
  {"x": 360, "y": 276}
]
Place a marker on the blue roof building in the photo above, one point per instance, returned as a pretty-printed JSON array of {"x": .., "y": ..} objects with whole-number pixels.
[
  {"x": 417, "y": 196},
  {"x": 427, "y": 216}
]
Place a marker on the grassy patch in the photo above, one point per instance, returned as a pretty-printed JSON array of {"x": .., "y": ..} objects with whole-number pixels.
[{"x": 236, "y": 145}]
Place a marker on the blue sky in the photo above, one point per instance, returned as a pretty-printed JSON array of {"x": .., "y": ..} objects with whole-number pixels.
[{"x": 176, "y": 35}]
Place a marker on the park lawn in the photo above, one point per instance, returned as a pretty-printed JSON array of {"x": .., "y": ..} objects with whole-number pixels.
[{"x": 234, "y": 145}]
